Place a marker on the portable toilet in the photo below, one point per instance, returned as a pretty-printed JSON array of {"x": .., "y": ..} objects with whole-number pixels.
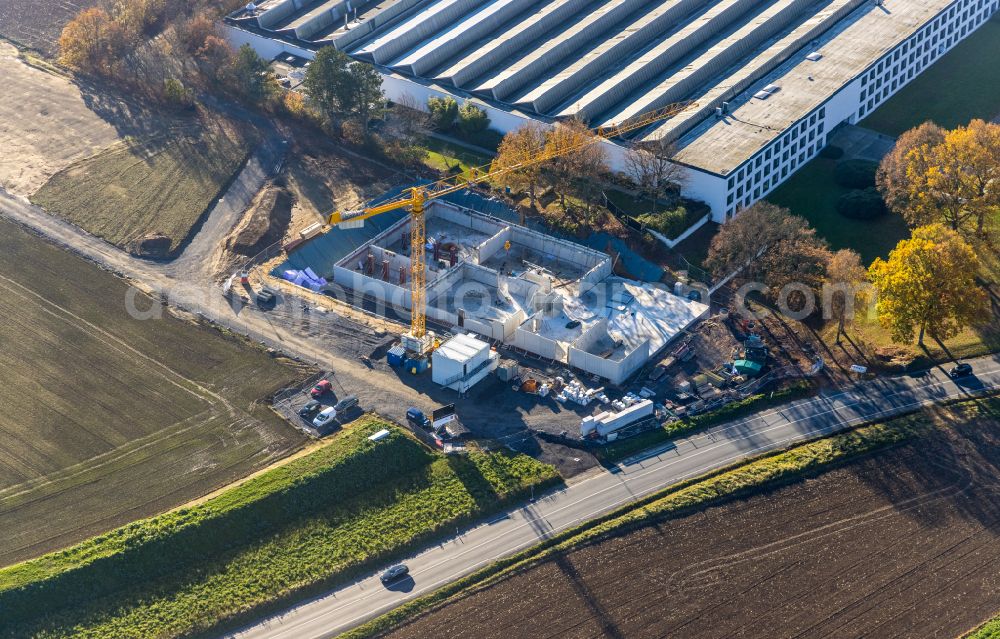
[{"x": 395, "y": 356}]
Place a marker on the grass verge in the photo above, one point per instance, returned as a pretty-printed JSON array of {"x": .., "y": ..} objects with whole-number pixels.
[
  {"x": 617, "y": 451},
  {"x": 317, "y": 520},
  {"x": 746, "y": 478},
  {"x": 812, "y": 194},
  {"x": 989, "y": 630},
  {"x": 156, "y": 188}
]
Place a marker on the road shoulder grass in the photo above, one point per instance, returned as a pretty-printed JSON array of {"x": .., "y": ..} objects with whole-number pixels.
[
  {"x": 289, "y": 532},
  {"x": 750, "y": 477}
]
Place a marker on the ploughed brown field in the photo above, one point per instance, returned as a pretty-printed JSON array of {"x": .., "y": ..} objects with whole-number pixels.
[{"x": 905, "y": 543}]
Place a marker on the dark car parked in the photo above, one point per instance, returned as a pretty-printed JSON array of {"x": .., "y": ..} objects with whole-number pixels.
[{"x": 310, "y": 408}]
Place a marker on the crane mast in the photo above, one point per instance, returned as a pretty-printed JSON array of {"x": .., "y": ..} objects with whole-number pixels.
[{"x": 418, "y": 340}]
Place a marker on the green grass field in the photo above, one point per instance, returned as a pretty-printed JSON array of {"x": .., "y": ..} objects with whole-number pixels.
[
  {"x": 310, "y": 523},
  {"x": 158, "y": 186},
  {"x": 107, "y": 418},
  {"x": 812, "y": 193},
  {"x": 961, "y": 86},
  {"x": 451, "y": 158}
]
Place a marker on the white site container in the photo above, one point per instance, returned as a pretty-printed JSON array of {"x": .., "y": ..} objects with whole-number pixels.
[
  {"x": 606, "y": 423},
  {"x": 461, "y": 362}
]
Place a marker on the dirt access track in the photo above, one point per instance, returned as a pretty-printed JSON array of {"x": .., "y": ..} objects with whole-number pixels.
[{"x": 905, "y": 543}]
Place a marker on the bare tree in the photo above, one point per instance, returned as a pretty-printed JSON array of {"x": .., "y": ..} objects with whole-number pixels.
[
  {"x": 580, "y": 162},
  {"x": 649, "y": 165},
  {"x": 408, "y": 121},
  {"x": 516, "y": 150}
]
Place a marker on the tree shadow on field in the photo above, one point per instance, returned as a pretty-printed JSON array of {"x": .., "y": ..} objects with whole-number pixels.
[
  {"x": 588, "y": 598},
  {"x": 126, "y": 116},
  {"x": 480, "y": 488}
]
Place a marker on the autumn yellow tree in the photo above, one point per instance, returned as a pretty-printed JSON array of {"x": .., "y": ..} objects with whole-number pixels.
[
  {"x": 928, "y": 286},
  {"x": 92, "y": 42},
  {"x": 891, "y": 176},
  {"x": 846, "y": 288},
  {"x": 517, "y": 147},
  {"x": 952, "y": 182}
]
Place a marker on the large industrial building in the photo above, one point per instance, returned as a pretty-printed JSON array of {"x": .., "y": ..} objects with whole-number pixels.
[{"x": 766, "y": 80}]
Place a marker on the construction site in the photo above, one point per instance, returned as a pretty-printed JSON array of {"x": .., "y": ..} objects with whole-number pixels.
[{"x": 509, "y": 285}]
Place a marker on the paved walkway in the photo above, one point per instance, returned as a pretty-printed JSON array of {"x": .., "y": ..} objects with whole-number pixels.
[{"x": 860, "y": 143}]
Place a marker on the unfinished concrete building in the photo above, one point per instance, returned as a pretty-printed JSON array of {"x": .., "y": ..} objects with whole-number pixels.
[
  {"x": 768, "y": 80},
  {"x": 546, "y": 296}
]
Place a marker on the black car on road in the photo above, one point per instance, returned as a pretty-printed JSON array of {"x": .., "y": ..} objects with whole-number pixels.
[
  {"x": 962, "y": 370},
  {"x": 395, "y": 573}
]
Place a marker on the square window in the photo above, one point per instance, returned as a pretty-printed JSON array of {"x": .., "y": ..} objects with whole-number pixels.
[{"x": 729, "y": 200}]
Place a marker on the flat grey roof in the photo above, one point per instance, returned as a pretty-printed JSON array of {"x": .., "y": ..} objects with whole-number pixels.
[{"x": 721, "y": 145}]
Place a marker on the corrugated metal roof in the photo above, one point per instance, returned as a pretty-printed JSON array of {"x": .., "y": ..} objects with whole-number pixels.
[{"x": 462, "y": 348}]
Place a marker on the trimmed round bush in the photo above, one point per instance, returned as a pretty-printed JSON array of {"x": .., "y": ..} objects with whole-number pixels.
[
  {"x": 855, "y": 174},
  {"x": 831, "y": 152},
  {"x": 861, "y": 204}
]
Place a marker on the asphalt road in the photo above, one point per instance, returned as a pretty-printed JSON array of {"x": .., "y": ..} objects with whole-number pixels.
[{"x": 598, "y": 493}]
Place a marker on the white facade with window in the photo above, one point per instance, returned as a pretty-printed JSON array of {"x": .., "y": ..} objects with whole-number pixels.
[{"x": 754, "y": 178}]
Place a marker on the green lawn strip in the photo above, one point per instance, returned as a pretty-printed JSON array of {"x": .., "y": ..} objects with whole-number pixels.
[
  {"x": 812, "y": 194},
  {"x": 617, "y": 451},
  {"x": 989, "y": 630},
  {"x": 741, "y": 479},
  {"x": 163, "y": 184},
  {"x": 961, "y": 86},
  {"x": 452, "y": 158},
  {"x": 306, "y": 525}
]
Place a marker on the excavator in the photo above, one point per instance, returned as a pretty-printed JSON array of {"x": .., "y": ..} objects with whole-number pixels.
[{"x": 417, "y": 340}]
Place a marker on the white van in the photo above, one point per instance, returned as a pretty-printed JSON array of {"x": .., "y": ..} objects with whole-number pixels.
[{"x": 325, "y": 416}]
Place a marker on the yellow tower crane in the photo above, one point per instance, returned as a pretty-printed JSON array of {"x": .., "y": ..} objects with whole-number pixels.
[{"x": 414, "y": 198}]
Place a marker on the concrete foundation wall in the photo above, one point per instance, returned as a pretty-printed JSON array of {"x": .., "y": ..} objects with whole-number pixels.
[
  {"x": 528, "y": 340},
  {"x": 595, "y": 276},
  {"x": 364, "y": 285},
  {"x": 616, "y": 372},
  {"x": 560, "y": 249},
  {"x": 491, "y": 246},
  {"x": 594, "y": 333}
]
